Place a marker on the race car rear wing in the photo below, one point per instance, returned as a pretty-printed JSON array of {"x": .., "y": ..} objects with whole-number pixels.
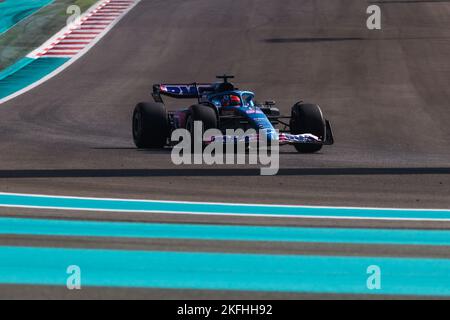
[{"x": 181, "y": 91}]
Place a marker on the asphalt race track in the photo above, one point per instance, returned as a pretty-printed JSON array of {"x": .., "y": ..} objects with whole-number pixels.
[{"x": 386, "y": 93}]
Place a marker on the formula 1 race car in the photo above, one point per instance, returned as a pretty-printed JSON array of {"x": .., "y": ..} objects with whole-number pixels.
[{"x": 223, "y": 106}]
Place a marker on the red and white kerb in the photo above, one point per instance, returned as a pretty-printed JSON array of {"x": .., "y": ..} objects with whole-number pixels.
[{"x": 84, "y": 32}]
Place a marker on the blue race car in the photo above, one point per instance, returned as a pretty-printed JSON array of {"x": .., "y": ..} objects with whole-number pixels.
[{"x": 223, "y": 106}]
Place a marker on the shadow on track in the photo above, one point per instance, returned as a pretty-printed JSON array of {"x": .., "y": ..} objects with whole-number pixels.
[
  {"x": 206, "y": 172},
  {"x": 407, "y": 1},
  {"x": 311, "y": 40},
  {"x": 324, "y": 40}
]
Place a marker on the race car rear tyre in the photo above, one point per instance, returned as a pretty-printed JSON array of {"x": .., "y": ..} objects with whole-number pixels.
[
  {"x": 307, "y": 118},
  {"x": 150, "y": 125},
  {"x": 206, "y": 115}
]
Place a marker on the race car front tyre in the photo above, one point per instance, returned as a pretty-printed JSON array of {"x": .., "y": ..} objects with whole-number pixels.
[
  {"x": 204, "y": 114},
  {"x": 150, "y": 125},
  {"x": 307, "y": 118}
]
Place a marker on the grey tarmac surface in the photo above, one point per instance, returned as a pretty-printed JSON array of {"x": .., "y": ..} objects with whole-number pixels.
[
  {"x": 386, "y": 93},
  {"x": 104, "y": 293}
]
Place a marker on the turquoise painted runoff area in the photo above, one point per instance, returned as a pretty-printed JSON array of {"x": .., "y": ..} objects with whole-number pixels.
[
  {"x": 69, "y": 228},
  {"x": 55, "y": 202},
  {"x": 224, "y": 271},
  {"x": 15, "y": 67},
  {"x": 13, "y": 11},
  {"x": 26, "y": 72}
]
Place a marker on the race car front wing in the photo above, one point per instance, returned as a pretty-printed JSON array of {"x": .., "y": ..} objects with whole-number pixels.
[{"x": 281, "y": 137}]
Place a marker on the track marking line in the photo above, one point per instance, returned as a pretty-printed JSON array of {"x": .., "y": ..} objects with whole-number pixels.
[
  {"x": 212, "y": 232},
  {"x": 16, "y": 200},
  {"x": 224, "y": 271}
]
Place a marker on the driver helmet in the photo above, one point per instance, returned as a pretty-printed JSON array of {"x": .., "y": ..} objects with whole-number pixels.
[
  {"x": 235, "y": 101},
  {"x": 231, "y": 100}
]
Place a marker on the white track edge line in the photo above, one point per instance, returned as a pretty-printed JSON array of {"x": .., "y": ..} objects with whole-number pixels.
[
  {"x": 259, "y": 215},
  {"x": 220, "y": 203}
]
